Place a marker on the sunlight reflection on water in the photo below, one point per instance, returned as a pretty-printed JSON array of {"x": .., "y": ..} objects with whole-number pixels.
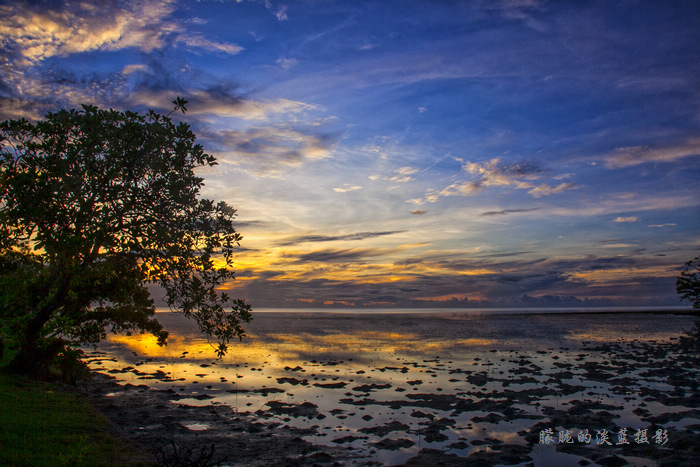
[{"x": 364, "y": 372}]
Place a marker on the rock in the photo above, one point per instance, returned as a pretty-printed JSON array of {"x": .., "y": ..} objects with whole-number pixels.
[
  {"x": 385, "y": 429},
  {"x": 435, "y": 457},
  {"x": 394, "y": 444}
]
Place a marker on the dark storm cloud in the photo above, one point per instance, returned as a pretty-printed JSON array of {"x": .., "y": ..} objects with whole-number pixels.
[{"x": 333, "y": 238}]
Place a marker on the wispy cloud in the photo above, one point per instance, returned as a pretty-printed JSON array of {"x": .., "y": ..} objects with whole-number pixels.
[
  {"x": 338, "y": 255},
  {"x": 635, "y": 155},
  {"x": 507, "y": 211},
  {"x": 269, "y": 150},
  {"x": 223, "y": 102},
  {"x": 280, "y": 11},
  {"x": 404, "y": 175},
  {"x": 400, "y": 175},
  {"x": 523, "y": 10},
  {"x": 625, "y": 219},
  {"x": 197, "y": 41},
  {"x": 287, "y": 63},
  {"x": 546, "y": 190},
  {"x": 333, "y": 238},
  {"x": 347, "y": 188}
]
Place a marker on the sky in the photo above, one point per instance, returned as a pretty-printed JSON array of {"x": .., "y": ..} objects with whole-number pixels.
[{"x": 408, "y": 153}]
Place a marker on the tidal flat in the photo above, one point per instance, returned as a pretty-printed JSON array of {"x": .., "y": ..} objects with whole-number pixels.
[{"x": 423, "y": 388}]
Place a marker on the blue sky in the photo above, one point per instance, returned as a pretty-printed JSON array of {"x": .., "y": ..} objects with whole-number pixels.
[{"x": 409, "y": 153}]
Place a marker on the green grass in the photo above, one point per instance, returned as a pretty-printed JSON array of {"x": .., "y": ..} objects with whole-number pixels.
[{"x": 43, "y": 424}]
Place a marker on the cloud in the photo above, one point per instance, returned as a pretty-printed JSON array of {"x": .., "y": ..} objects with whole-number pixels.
[
  {"x": 222, "y": 101},
  {"x": 347, "y": 188},
  {"x": 279, "y": 12},
  {"x": 266, "y": 138},
  {"x": 32, "y": 32},
  {"x": 269, "y": 150},
  {"x": 251, "y": 223},
  {"x": 287, "y": 63},
  {"x": 626, "y": 219},
  {"x": 402, "y": 175},
  {"x": 502, "y": 173},
  {"x": 134, "y": 68},
  {"x": 507, "y": 254},
  {"x": 337, "y": 256},
  {"x": 497, "y": 173},
  {"x": 635, "y": 155},
  {"x": 485, "y": 279},
  {"x": 507, "y": 211},
  {"x": 521, "y": 10},
  {"x": 609, "y": 205},
  {"x": 333, "y": 238},
  {"x": 546, "y": 190},
  {"x": 418, "y": 212},
  {"x": 198, "y": 41},
  {"x": 668, "y": 224}
]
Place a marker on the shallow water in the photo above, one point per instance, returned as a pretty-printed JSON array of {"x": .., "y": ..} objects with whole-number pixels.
[{"x": 402, "y": 377}]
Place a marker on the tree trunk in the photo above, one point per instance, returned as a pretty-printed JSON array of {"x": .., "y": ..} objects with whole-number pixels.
[{"x": 36, "y": 354}]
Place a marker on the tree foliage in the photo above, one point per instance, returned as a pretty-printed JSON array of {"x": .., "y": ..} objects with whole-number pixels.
[
  {"x": 688, "y": 283},
  {"x": 688, "y": 288},
  {"x": 94, "y": 206}
]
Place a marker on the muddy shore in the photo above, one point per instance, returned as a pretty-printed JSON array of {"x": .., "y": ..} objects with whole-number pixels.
[
  {"x": 176, "y": 433},
  {"x": 568, "y": 391},
  {"x": 169, "y": 431}
]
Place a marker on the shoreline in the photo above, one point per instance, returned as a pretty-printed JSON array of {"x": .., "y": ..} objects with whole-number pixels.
[
  {"x": 151, "y": 419},
  {"x": 647, "y": 385},
  {"x": 671, "y": 310}
]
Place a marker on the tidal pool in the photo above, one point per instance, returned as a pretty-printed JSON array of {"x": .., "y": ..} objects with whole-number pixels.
[{"x": 387, "y": 385}]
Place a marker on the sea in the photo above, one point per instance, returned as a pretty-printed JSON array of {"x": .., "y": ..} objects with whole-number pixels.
[{"x": 374, "y": 376}]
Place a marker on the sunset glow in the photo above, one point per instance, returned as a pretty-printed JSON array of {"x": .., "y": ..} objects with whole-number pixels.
[{"x": 406, "y": 154}]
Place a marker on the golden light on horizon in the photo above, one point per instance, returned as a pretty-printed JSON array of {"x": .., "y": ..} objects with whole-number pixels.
[{"x": 618, "y": 274}]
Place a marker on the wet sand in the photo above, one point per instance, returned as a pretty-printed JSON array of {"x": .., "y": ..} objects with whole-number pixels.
[{"x": 449, "y": 389}]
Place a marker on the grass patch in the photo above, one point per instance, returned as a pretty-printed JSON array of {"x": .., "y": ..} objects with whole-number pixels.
[{"x": 43, "y": 424}]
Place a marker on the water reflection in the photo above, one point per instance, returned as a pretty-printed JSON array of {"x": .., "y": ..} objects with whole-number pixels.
[{"x": 388, "y": 386}]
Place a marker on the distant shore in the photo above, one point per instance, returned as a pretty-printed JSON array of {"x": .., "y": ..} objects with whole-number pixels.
[{"x": 680, "y": 310}]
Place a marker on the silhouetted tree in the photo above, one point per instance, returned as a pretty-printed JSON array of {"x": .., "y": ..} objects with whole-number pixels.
[
  {"x": 688, "y": 283},
  {"x": 688, "y": 287},
  {"x": 94, "y": 205}
]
